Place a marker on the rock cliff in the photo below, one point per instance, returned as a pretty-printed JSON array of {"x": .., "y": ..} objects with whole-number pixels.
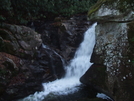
[{"x": 114, "y": 47}]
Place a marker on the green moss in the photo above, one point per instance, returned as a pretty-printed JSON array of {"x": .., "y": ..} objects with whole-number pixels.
[
  {"x": 122, "y": 5},
  {"x": 96, "y": 7}
]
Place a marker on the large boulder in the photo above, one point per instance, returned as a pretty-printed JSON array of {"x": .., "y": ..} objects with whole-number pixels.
[
  {"x": 114, "y": 46},
  {"x": 18, "y": 46},
  {"x": 19, "y": 40},
  {"x": 95, "y": 77},
  {"x": 24, "y": 64},
  {"x": 112, "y": 11}
]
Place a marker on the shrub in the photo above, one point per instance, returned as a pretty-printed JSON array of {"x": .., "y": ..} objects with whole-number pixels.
[{"x": 21, "y": 11}]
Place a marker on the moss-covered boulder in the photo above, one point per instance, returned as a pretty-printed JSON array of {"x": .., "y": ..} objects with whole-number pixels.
[{"x": 109, "y": 10}]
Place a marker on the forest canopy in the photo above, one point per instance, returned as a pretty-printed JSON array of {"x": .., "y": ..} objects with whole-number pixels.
[{"x": 21, "y": 11}]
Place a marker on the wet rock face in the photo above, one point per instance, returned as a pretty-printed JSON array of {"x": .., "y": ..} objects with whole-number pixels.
[
  {"x": 113, "y": 48},
  {"x": 94, "y": 72},
  {"x": 24, "y": 64},
  {"x": 64, "y": 36}
]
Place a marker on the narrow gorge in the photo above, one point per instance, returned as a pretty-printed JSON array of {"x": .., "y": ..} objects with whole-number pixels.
[
  {"x": 87, "y": 57},
  {"x": 77, "y": 67}
]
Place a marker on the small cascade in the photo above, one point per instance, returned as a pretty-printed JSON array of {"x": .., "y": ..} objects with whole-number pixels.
[
  {"x": 103, "y": 96},
  {"x": 78, "y": 66},
  {"x": 46, "y": 47}
]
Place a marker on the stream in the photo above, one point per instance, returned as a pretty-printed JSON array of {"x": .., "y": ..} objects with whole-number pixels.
[{"x": 69, "y": 88}]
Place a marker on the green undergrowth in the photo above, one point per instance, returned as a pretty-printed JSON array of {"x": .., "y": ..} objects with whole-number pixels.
[{"x": 22, "y": 11}]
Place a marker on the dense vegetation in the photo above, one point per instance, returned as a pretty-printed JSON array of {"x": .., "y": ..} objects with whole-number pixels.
[{"x": 21, "y": 11}]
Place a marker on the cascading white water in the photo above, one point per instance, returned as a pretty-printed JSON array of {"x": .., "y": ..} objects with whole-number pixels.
[
  {"x": 77, "y": 67},
  {"x": 81, "y": 61},
  {"x": 46, "y": 47}
]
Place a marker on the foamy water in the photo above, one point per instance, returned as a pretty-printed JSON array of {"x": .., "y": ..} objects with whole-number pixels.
[{"x": 77, "y": 67}]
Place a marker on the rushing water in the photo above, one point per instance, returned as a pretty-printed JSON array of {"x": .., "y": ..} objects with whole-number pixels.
[{"x": 77, "y": 67}]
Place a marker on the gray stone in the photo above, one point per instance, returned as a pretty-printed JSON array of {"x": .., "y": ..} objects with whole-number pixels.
[{"x": 112, "y": 47}]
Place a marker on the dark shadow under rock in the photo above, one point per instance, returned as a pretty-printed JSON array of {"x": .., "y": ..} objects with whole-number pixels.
[{"x": 96, "y": 77}]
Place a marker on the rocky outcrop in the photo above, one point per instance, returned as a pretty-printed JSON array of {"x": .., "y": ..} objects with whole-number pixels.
[
  {"x": 19, "y": 40},
  {"x": 114, "y": 46},
  {"x": 62, "y": 35},
  {"x": 111, "y": 11},
  {"x": 90, "y": 78},
  {"x": 18, "y": 45},
  {"x": 24, "y": 64}
]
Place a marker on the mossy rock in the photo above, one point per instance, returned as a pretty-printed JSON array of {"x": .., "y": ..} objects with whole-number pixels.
[
  {"x": 95, "y": 7},
  {"x": 123, "y": 8}
]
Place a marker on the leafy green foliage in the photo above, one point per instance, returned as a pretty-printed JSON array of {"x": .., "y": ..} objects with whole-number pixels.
[
  {"x": 20, "y": 11},
  {"x": 5, "y": 8},
  {"x": 125, "y": 5},
  {"x": 5, "y": 5}
]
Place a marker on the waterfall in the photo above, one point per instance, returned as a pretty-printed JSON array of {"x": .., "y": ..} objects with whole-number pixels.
[
  {"x": 81, "y": 61},
  {"x": 77, "y": 67}
]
